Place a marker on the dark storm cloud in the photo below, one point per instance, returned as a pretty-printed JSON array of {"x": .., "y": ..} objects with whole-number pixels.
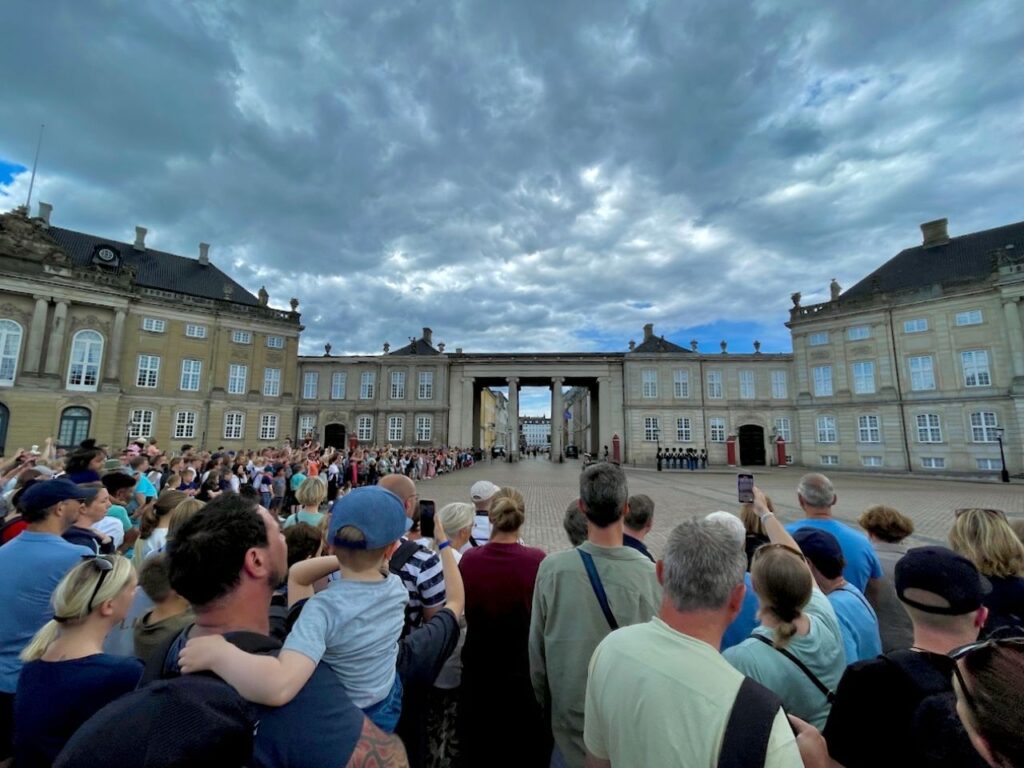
[{"x": 521, "y": 175}]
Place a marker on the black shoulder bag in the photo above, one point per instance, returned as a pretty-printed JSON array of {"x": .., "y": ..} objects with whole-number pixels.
[{"x": 595, "y": 582}]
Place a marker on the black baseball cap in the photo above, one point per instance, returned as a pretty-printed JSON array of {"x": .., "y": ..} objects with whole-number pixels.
[
  {"x": 945, "y": 574},
  {"x": 822, "y": 549}
]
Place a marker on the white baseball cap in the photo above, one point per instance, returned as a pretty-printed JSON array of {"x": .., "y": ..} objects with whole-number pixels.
[{"x": 482, "y": 490}]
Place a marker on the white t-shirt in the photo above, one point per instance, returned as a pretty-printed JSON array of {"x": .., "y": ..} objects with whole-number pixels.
[{"x": 112, "y": 527}]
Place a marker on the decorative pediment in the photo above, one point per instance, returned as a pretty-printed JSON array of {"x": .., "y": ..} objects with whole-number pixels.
[{"x": 26, "y": 239}]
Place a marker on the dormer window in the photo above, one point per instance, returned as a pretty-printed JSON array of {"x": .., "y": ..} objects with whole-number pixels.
[{"x": 106, "y": 256}]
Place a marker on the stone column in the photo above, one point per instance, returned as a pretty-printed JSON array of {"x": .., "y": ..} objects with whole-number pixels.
[
  {"x": 468, "y": 418},
  {"x": 34, "y": 351},
  {"x": 557, "y": 417},
  {"x": 604, "y": 404},
  {"x": 114, "y": 348},
  {"x": 513, "y": 418},
  {"x": 1016, "y": 334},
  {"x": 55, "y": 348}
]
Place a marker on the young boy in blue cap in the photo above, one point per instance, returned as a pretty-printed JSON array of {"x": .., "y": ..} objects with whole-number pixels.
[{"x": 353, "y": 625}]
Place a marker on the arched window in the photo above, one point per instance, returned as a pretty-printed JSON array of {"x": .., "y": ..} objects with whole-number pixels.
[
  {"x": 10, "y": 346},
  {"x": 86, "y": 353},
  {"x": 74, "y": 426}
]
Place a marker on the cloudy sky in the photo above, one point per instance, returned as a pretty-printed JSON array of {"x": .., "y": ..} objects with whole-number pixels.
[{"x": 527, "y": 175}]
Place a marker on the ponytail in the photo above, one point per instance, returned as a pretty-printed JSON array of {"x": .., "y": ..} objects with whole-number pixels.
[
  {"x": 149, "y": 521},
  {"x": 41, "y": 641}
]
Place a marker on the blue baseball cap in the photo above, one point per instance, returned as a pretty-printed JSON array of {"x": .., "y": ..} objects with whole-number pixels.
[
  {"x": 822, "y": 549},
  {"x": 48, "y": 493},
  {"x": 376, "y": 513}
]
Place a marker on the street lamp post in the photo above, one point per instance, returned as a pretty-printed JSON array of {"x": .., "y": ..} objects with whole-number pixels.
[{"x": 1005, "y": 474}]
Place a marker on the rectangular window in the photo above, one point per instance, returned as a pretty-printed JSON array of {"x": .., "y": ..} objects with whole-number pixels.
[
  {"x": 831, "y": 460},
  {"x": 650, "y": 382},
  {"x": 817, "y": 339},
  {"x": 237, "y": 375},
  {"x": 154, "y": 324},
  {"x": 338, "y": 381},
  {"x": 191, "y": 372},
  {"x": 184, "y": 425},
  {"x": 195, "y": 331},
  {"x": 680, "y": 384},
  {"x": 747, "y": 385},
  {"x": 140, "y": 424},
  {"x": 234, "y": 425},
  {"x": 784, "y": 430},
  {"x": 268, "y": 426},
  {"x": 971, "y": 317},
  {"x": 396, "y": 426},
  {"x": 868, "y": 430},
  {"x": 990, "y": 464},
  {"x": 864, "y": 378},
  {"x": 310, "y": 384},
  {"x": 716, "y": 426},
  {"x": 364, "y": 428},
  {"x": 929, "y": 429},
  {"x": 826, "y": 429},
  {"x": 922, "y": 373},
  {"x": 241, "y": 337},
  {"x": 424, "y": 427},
  {"x": 275, "y": 342},
  {"x": 425, "y": 390},
  {"x": 917, "y": 325},
  {"x": 683, "y": 433},
  {"x": 983, "y": 427},
  {"x": 714, "y": 385},
  {"x": 858, "y": 333},
  {"x": 975, "y": 364},
  {"x": 149, "y": 371},
  {"x": 307, "y": 425},
  {"x": 651, "y": 430},
  {"x": 366, "y": 382},
  {"x": 271, "y": 382},
  {"x": 398, "y": 385},
  {"x": 933, "y": 462},
  {"x": 823, "y": 381},
  {"x": 871, "y": 461},
  {"x": 779, "y": 386}
]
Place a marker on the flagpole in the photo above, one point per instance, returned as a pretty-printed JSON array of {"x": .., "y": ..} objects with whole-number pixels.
[{"x": 35, "y": 162}]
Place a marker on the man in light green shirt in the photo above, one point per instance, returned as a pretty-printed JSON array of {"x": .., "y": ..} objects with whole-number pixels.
[{"x": 567, "y": 621}]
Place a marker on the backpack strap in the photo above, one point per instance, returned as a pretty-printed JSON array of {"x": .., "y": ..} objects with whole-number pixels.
[
  {"x": 749, "y": 727},
  {"x": 830, "y": 695},
  {"x": 595, "y": 583},
  {"x": 402, "y": 555}
]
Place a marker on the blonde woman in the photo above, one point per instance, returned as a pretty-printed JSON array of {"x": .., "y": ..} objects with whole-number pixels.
[
  {"x": 311, "y": 493},
  {"x": 67, "y": 677},
  {"x": 985, "y": 538}
]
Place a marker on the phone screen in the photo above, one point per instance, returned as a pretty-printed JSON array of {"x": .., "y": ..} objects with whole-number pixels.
[
  {"x": 427, "y": 518},
  {"x": 745, "y": 488}
]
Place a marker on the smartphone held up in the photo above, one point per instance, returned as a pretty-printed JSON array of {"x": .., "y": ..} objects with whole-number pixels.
[{"x": 745, "y": 488}]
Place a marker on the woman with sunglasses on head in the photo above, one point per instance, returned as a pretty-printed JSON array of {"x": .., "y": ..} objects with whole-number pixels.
[
  {"x": 989, "y": 684},
  {"x": 66, "y": 677},
  {"x": 985, "y": 538},
  {"x": 797, "y": 652}
]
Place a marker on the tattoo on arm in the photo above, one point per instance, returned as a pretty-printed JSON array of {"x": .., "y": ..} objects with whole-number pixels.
[{"x": 377, "y": 749}]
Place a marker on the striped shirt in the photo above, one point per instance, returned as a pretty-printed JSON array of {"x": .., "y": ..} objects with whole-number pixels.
[{"x": 423, "y": 577}]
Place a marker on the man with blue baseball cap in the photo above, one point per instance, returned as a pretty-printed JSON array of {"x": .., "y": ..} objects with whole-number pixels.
[{"x": 31, "y": 566}]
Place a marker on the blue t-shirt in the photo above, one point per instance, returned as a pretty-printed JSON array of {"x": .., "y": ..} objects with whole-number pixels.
[
  {"x": 861, "y": 561},
  {"x": 145, "y": 487},
  {"x": 745, "y": 620},
  {"x": 31, "y": 566},
  {"x": 858, "y": 622},
  {"x": 54, "y": 698}
]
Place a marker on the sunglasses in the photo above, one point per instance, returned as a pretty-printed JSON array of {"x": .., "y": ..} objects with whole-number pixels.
[
  {"x": 996, "y": 512},
  {"x": 968, "y": 651},
  {"x": 766, "y": 547},
  {"x": 105, "y": 566}
]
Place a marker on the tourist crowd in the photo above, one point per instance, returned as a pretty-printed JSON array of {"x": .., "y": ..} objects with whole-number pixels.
[{"x": 300, "y": 606}]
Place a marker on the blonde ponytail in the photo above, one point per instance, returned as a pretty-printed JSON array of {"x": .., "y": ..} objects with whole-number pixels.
[{"x": 41, "y": 641}]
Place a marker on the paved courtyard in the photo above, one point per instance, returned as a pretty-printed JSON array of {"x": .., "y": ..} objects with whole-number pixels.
[{"x": 548, "y": 489}]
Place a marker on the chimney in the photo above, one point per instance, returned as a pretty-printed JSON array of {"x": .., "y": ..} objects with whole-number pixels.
[
  {"x": 648, "y": 330},
  {"x": 935, "y": 233},
  {"x": 45, "y": 209},
  {"x": 204, "y": 254},
  {"x": 428, "y": 336},
  {"x": 140, "y": 239},
  {"x": 693, "y": 345},
  {"x": 632, "y": 345}
]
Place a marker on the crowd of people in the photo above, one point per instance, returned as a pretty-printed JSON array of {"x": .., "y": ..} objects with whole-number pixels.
[{"x": 300, "y": 607}]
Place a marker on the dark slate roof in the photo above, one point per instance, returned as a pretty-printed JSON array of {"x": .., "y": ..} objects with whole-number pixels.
[
  {"x": 155, "y": 269},
  {"x": 967, "y": 258},
  {"x": 418, "y": 347},
  {"x": 657, "y": 344}
]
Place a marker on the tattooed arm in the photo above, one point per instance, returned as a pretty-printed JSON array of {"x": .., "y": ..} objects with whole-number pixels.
[{"x": 377, "y": 749}]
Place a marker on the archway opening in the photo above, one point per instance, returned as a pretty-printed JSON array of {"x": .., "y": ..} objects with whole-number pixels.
[
  {"x": 334, "y": 436},
  {"x": 752, "y": 451}
]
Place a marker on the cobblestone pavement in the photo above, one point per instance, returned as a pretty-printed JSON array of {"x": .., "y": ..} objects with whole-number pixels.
[{"x": 677, "y": 494}]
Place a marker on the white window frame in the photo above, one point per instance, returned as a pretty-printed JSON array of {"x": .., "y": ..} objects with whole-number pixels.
[
  {"x": 684, "y": 432},
  {"x": 681, "y": 384},
  {"x": 191, "y": 375},
  {"x": 716, "y": 429},
  {"x": 396, "y": 429},
  {"x": 11, "y": 334},
  {"x": 147, "y": 374},
  {"x": 241, "y": 337},
  {"x": 748, "y": 386},
  {"x": 307, "y": 425},
  {"x": 367, "y": 385},
  {"x": 916, "y": 325},
  {"x": 268, "y": 426},
  {"x": 780, "y": 385},
  {"x": 154, "y": 324},
  {"x": 364, "y": 428},
  {"x": 234, "y": 425},
  {"x": 195, "y": 331},
  {"x": 87, "y": 357},
  {"x": 715, "y": 391},
  {"x": 983, "y": 426},
  {"x": 275, "y": 342},
  {"x": 822, "y": 377},
  {"x": 649, "y": 383},
  {"x": 858, "y": 332},
  {"x": 784, "y": 429},
  {"x": 238, "y": 378},
  {"x": 398, "y": 385},
  {"x": 969, "y": 317},
  {"x": 974, "y": 363},
  {"x": 339, "y": 380},
  {"x": 869, "y": 428},
  {"x": 827, "y": 431},
  {"x": 922, "y": 373},
  {"x": 872, "y": 461},
  {"x": 425, "y": 386},
  {"x": 817, "y": 339},
  {"x": 310, "y": 384},
  {"x": 140, "y": 423},
  {"x": 929, "y": 427},
  {"x": 424, "y": 428},
  {"x": 652, "y": 429},
  {"x": 271, "y": 382},
  {"x": 863, "y": 377},
  {"x": 989, "y": 464},
  {"x": 185, "y": 425},
  {"x": 933, "y": 462},
  {"x": 830, "y": 460}
]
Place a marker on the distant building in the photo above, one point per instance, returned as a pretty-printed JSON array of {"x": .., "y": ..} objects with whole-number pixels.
[{"x": 536, "y": 431}]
